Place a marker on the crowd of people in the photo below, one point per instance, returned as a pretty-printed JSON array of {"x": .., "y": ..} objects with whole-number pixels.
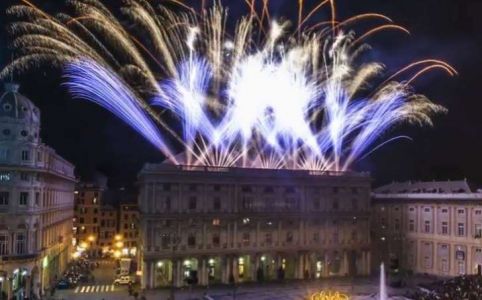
[{"x": 467, "y": 287}]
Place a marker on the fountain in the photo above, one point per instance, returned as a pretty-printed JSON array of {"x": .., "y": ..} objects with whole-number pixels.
[{"x": 383, "y": 287}]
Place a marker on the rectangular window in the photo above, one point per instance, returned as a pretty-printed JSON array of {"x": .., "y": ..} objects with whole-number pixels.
[
  {"x": 3, "y": 154},
  {"x": 460, "y": 229},
  {"x": 268, "y": 238},
  {"x": 445, "y": 228},
  {"x": 478, "y": 230},
  {"x": 354, "y": 204},
  {"x": 354, "y": 235},
  {"x": 461, "y": 211},
  {"x": 335, "y": 204},
  {"x": 316, "y": 204},
  {"x": 192, "y": 203},
  {"x": 4, "y": 198},
  {"x": 191, "y": 240},
  {"x": 444, "y": 210},
  {"x": 37, "y": 198},
  {"x": 427, "y": 227},
  {"x": 168, "y": 204},
  {"x": 25, "y": 155},
  {"x": 21, "y": 244},
  {"x": 478, "y": 212},
  {"x": 165, "y": 241},
  {"x": 24, "y": 176},
  {"x": 246, "y": 238},
  {"x": 4, "y": 244},
  {"x": 23, "y": 198},
  {"x": 217, "y": 203},
  {"x": 316, "y": 237},
  {"x": 289, "y": 237},
  {"x": 217, "y": 240}
]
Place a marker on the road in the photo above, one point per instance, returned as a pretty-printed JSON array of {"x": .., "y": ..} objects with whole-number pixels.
[{"x": 101, "y": 288}]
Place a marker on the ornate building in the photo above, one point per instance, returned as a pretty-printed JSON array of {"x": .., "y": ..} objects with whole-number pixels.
[
  {"x": 36, "y": 201},
  {"x": 429, "y": 227},
  {"x": 208, "y": 225}
]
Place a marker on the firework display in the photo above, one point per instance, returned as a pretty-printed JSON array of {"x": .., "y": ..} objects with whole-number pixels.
[{"x": 262, "y": 93}]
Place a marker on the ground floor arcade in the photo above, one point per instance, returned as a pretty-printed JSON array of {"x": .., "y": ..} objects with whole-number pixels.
[
  {"x": 252, "y": 267},
  {"x": 23, "y": 277}
]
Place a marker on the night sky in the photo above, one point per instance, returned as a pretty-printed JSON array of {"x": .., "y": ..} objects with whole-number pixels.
[{"x": 451, "y": 30}]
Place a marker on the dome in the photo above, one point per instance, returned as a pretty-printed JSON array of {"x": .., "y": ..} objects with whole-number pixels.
[{"x": 15, "y": 106}]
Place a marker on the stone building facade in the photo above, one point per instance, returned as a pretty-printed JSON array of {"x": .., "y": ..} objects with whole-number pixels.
[
  {"x": 207, "y": 225},
  {"x": 429, "y": 227},
  {"x": 36, "y": 201}
]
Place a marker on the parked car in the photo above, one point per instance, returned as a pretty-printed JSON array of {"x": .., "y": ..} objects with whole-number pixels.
[
  {"x": 63, "y": 284},
  {"x": 122, "y": 280}
]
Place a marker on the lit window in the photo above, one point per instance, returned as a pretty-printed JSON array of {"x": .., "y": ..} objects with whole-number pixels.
[{"x": 216, "y": 222}]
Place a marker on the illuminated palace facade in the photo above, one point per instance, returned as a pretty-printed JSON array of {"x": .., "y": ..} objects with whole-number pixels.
[
  {"x": 429, "y": 227},
  {"x": 224, "y": 225},
  {"x": 36, "y": 202}
]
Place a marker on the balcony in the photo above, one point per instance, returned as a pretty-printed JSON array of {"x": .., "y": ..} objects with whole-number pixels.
[{"x": 18, "y": 257}]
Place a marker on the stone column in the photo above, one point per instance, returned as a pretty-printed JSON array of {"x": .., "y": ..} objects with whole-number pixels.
[
  {"x": 257, "y": 234},
  {"x": 226, "y": 269},
  {"x": 234, "y": 268},
  {"x": 28, "y": 283},
  {"x": 345, "y": 263},
  {"x": 178, "y": 273},
  {"x": 152, "y": 274},
  {"x": 279, "y": 234},
  {"x": 254, "y": 261},
  {"x": 145, "y": 275},
  {"x": 369, "y": 262},
  {"x": 364, "y": 263},
  {"x": 452, "y": 261},
  {"x": 300, "y": 266},
  {"x": 234, "y": 239},
  {"x": 468, "y": 259}
]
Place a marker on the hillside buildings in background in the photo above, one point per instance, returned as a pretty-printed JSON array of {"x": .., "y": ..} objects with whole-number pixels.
[
  {"x": 106, "y": 222},
  {"x": 36, "y": 201}
]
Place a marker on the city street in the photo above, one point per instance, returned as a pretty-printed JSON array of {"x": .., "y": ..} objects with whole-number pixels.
[{"x": 102, "y": 287}]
